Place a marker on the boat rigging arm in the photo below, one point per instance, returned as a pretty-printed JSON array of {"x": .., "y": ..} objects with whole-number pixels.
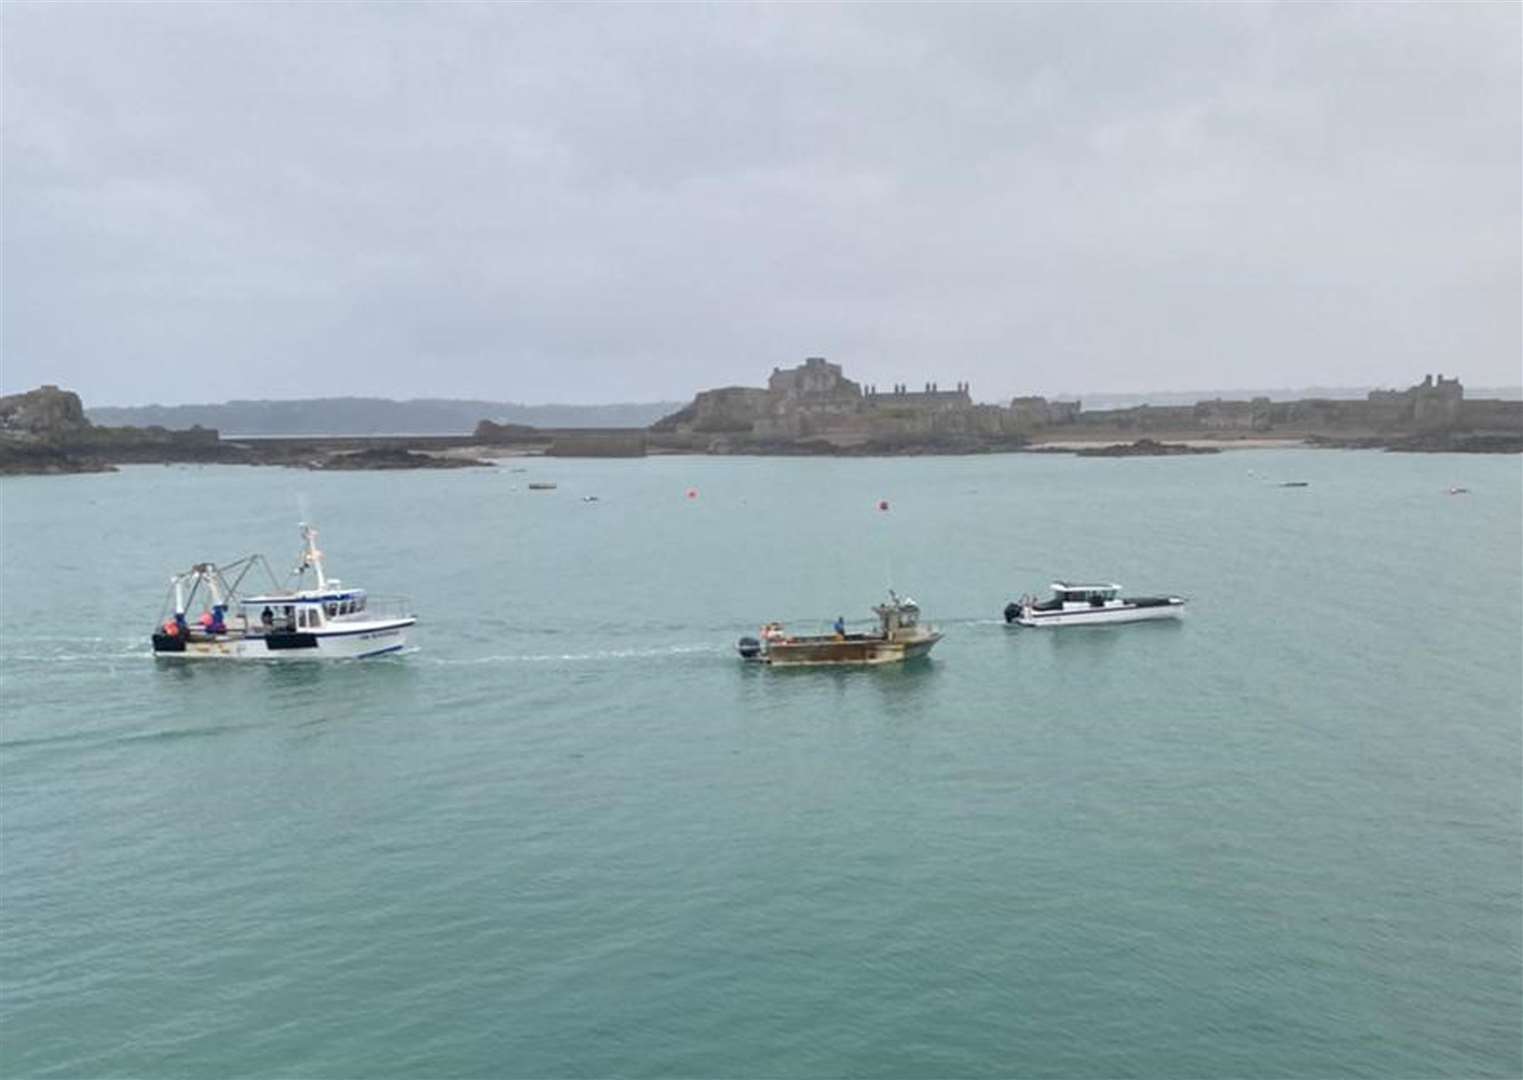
[
  {"x": 243, "y": 566},
  {"x": 223, "y": 593}
]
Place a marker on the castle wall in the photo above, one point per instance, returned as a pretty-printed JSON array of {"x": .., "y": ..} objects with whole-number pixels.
[
  {"x": 1491, "y": 415},
  {"x": 729, "y": 409},
  {"x": 932, "y": 397},
  {"x": 598, "y": 444},
  {"x": 1035, "y": 411}
]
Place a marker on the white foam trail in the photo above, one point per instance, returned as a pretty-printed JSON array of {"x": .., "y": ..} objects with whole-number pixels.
[{"x": 602, "y": 654}]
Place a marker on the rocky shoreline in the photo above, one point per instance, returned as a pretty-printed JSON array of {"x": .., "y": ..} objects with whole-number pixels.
[
  {"x": 45, "y": 460},
  {"x": 1429, "y": 442},
  {"x": 810, "y": 411}
]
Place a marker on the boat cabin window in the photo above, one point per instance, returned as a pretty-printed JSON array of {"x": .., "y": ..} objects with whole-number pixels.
[
  {"x": 1093, "y": 597},
  {"x": 331, "y": 608}
]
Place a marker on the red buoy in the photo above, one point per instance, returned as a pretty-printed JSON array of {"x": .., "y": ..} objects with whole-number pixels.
[
  {"x": 692, "y": 493},
  {"x": 882, "y": 504}
]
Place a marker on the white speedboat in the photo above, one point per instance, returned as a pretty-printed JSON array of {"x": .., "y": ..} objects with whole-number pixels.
[
  {"x": 328, "y": 621},
  {"x": 1090, "y": 605}
]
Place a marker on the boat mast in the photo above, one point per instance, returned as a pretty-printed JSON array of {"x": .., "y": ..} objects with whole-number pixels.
[
  {"x": 213, "y": 578},
  {"x": 178, "y": 582},
  {"x": 312, "y": 556}
]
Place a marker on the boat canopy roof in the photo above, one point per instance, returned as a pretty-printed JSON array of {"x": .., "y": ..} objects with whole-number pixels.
[
  {"x": 1071, "y": 587},
  {"x": 305, "y": 596}
]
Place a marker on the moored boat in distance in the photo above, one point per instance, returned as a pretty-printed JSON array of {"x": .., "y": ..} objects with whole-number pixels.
[
  {"x": 327, "y": 622},
  {"x": 1090, "y": 605},
  {"x": 898, "y": 637}
]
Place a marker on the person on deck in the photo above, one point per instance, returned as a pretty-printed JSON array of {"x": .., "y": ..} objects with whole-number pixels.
[{"x": 840, "y": 627}]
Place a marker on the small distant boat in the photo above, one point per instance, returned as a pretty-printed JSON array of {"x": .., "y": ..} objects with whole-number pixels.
[
  {"x": 329, "y": 621},
  {"x": 898, "y": 637},
  {"x": 1296, "y": 483},
  {"x": 589, "y": 498},
  {"x": 1459, "y": 491},
  {"x": 1090, "y": 605},
  {"x": 540, "y": 485}
]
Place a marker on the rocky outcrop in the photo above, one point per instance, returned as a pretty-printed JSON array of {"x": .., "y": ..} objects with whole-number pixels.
[
  {"x": 35, "y": 429},
  {"x": 382, "y": 458},
  {"x": 46, "y": 413},
  {"x": 489, "y": 433},
  {"x": 1145, "y": 448},
  {"x": 153, "y": 445},
  {"x": 728, "y": 410},
  {"x": 45, "y": 430}
]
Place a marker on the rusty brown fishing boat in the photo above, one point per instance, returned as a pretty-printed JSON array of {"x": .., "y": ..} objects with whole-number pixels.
[{"x": 898, "y": 637}]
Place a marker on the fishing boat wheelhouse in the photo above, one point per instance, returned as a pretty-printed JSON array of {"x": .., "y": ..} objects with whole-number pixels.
[
  {"x": 1075, "y": 604},
  {"x": 899, "y": 636},
  {"x": 327, "y": 621}
]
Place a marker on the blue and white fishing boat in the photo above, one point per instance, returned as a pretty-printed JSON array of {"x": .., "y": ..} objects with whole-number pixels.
[
  {"x": 328, "y": 621},
  {"x": 1074, "y": 604}
]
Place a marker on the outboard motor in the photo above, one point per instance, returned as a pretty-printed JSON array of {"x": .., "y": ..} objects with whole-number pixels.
[
  {"x": 749, "y": 648},
  {"x": 1012, "y": 611}
]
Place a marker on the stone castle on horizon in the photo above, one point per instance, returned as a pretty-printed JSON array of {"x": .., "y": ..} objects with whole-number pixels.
[{"x": 815, "y": 401}]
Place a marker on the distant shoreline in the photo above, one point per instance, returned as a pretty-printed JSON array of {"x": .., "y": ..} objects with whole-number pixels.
[{"x": 1288, "y": 442}]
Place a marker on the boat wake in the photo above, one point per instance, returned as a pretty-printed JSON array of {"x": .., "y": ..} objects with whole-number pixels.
[
  {"x": 598, "y": 656},
  {"x": 110, "y": 651}
]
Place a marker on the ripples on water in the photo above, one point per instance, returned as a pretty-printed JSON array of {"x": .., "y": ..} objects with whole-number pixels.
[{"x": 570, "y": 835}]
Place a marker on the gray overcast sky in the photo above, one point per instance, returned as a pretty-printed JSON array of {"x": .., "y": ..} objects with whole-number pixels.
[{"x": 597, "y": 203}]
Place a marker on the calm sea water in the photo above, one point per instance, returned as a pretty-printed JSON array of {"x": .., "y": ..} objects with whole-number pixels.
[{"x": 571, "y": 836}]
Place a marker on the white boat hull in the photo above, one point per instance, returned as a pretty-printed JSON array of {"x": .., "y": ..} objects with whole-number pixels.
[
  {"x": 355, "y": 641},
  {"x": 1120, "y": 613}
]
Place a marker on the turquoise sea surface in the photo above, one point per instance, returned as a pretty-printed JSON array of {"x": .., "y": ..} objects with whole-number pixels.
[{"x": 571, "y": 835}]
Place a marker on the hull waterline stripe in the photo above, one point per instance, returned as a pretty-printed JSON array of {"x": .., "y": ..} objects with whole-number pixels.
[
  {"x": 379, "y": 652},
  {"x": 1086, "y": 612}
]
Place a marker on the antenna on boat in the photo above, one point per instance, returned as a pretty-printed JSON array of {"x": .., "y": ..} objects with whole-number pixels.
[{"x": 311, "y": 556}]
